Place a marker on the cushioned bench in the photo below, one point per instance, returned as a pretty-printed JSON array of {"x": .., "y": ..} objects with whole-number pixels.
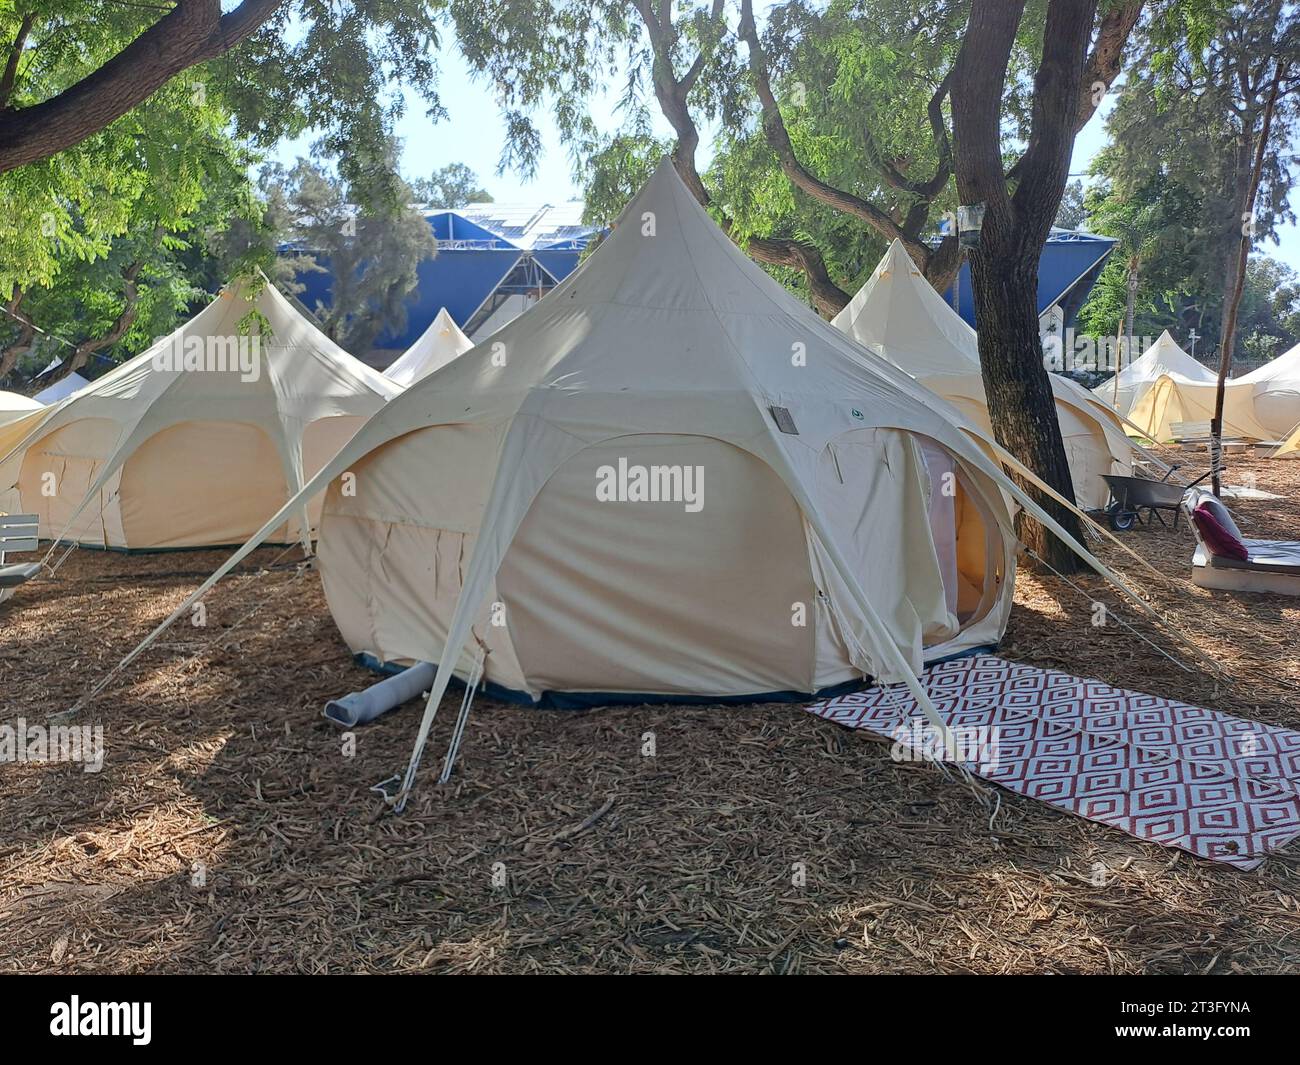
[{"x": 1269, "y": 566}]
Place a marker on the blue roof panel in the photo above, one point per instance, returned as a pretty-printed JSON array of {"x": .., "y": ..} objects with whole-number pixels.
[{"x": 1067, "y": 257}]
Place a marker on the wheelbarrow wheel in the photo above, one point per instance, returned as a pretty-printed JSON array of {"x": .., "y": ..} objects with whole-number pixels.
[{"x": 1123, "y": 520}]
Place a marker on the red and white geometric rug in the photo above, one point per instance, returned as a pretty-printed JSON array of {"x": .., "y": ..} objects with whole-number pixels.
[{"x": 1215, "y": 785}]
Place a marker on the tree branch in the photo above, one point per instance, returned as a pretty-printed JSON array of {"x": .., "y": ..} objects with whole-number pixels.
[
  {"x": 15, "y": 54},
  {"x": 696, "y": 68},
  {"x": 26, "y": 333},
  {"x": 826, "y": 294},
  {"x": 672, "y": 96},
  {"x": 926, "y": 190},
  {"x": 979, "y": 75},
  {"x": 81, "y": 354},
  {"x": 192, "y": 32},
  {"x": 1107, "y": 56},
  {"x": 778, "y": 138},
  {"x": 1045, "y": 165}
]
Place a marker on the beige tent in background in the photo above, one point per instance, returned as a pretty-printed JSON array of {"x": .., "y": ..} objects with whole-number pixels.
[
  {"x": 18, "y": 415},
  {"x": 436, "y": 347},
  {"x": 898, "y": 313},
  {"x": 1130, "y": 385},
  {"x": 1290, "y": 448},
  {"x": 1175, "y": 399},
  {"x": 1261, "y": 405},
  {"x": 194, "y": 441},
  {"x": 1276, "y": 393}
]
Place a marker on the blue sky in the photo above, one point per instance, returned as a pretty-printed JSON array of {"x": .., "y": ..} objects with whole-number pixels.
[{"x": 474, "y": 133}]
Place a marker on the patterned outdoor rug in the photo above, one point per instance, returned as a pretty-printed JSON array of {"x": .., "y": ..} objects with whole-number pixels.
[{"x": 1215, "y": 785}]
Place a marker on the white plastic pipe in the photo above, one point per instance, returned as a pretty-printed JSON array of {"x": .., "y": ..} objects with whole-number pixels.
[{"x": 357, "y": 708}]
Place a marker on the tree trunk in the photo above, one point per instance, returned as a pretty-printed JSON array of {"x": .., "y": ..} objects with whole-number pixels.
[
  {"x": 1004, "y": 268},
  {"x": 1130, "y": 305},
  {"x": 1119, "y": 362},
  {"x": 1228, "y": 336},
  {"x": 1022, "y": 408}
]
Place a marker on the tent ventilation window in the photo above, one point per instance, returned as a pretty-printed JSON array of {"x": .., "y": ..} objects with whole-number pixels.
[{"x": 784, "y": 420}]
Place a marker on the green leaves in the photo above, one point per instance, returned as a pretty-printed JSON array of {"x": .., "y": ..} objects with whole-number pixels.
[{"x": 1182, "y": 135}]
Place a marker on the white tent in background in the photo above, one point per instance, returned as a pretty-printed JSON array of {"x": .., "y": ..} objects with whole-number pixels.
[
  {"x": 16, "y": 420},
  {"x": 898, "y": 313},
  {"x": 14, "y": 406},
  {"x": 1261, "y": 405},
  {"x": 1174, "y": 399},
  {"x": 1275, "y": 392},
  {"x": 194, "y": 441},
  {"x": 436, "y": 347},
  {"x": 62, "y": 388},
  {"x": 1126, "y": 389}
]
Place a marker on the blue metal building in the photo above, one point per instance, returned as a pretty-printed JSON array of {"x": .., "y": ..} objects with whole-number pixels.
[
  {"x": 1071, "y": 263},
  {"x": 493, "y": 260}
]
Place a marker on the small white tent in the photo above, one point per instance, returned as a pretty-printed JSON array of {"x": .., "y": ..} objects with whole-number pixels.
[
  {"x": 1127, "y": 388},
  {"x": 14, "y": 406},
  {"x": 62, "y": 388},
  {"x": 194, "y": 441},
  {"x": 436, "y": 347},
  {"x": 898, "y": 313}
]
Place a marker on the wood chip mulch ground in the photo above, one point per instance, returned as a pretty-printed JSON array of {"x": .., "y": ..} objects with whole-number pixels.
[{"x": 231, "y": 830}]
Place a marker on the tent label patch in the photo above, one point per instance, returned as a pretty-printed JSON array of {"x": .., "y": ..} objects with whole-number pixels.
[{"x": 784, "y": 420}]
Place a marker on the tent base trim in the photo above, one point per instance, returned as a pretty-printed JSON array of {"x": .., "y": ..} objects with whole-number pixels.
[
  {"x": 113, "y": 549},
  {"x": 556, "y": 700}
]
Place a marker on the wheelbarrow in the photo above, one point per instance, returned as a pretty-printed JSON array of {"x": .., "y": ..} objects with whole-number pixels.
[{"x": 1129, "y": 496}]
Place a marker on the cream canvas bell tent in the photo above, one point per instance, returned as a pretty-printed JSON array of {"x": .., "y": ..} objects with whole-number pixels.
[
  {"x": 898, "y": 313},
  {"x": 195, "y": 440},
  {"x": 1126, "y": 389},
  {"x": 436, "y": 347},
  {"x": 667, "y": 479}
]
